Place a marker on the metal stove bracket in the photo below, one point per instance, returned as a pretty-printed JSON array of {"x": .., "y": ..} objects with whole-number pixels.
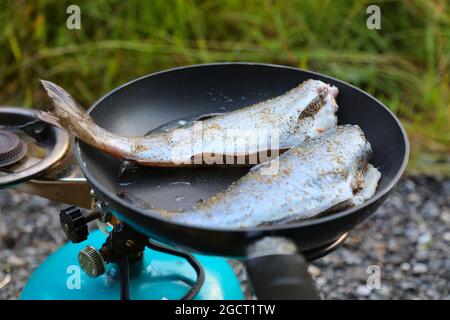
[{"x": 74, "y": 191}]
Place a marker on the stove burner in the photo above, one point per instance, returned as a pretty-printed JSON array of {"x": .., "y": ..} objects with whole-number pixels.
[{"x": 12, "y": 149}]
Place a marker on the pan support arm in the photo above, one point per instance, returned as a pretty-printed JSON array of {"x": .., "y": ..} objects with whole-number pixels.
[{"x": 69, "y": 190}]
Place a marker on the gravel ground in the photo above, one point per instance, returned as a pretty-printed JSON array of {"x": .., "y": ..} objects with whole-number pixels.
[{"x": 408, "y": 239}]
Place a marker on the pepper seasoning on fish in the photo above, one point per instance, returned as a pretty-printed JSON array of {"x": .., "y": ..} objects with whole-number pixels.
[{"x": 303, "y": 112}]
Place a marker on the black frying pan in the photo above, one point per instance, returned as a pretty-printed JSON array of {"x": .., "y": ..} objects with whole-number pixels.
[{"x": 151, "y": 101}]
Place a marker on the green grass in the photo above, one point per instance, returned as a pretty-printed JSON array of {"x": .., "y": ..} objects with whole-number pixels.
[{"x": 405, "y": 64}]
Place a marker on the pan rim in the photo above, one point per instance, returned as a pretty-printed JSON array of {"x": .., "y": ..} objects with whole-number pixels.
[{"x": 305, "y": 223}]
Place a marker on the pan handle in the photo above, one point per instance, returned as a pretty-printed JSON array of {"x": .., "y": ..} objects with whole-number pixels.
[{"x": 277, "y": 271}]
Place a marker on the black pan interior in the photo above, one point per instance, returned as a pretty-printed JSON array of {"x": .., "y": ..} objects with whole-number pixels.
[{"x": 154, "y": 100}]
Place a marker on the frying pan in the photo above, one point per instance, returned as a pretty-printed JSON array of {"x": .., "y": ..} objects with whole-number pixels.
[{"x": 275, "y": 266}]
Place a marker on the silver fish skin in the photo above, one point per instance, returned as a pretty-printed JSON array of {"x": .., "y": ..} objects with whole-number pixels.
[
  {"x": 324, "y": 174},
  {"x": 303, "y": 112}
]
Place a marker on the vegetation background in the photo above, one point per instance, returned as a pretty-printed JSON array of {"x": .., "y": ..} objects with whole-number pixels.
[{"x": 405, "y": 64}]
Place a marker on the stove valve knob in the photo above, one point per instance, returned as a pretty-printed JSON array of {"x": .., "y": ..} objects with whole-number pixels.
[
  {"x": 92, "y": 262},
  {"x": 75, "y": 223}
]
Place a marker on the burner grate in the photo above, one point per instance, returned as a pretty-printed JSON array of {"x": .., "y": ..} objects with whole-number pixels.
[{"x": 12, "y": 148}]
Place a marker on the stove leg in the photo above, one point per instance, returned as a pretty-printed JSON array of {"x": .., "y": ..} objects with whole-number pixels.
[{"x": 124, "y": 279}]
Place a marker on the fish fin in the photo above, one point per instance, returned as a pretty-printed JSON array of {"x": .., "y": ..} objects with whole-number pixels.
[
  {"x": 49, "y": 118},
  {"x": 69, "y": 115},
  {"x": 208, "y": 116},
  {"x": 64, "y": 104},
  {"x": 336, "y": 208},
  {"x": 294, "y": 218}
]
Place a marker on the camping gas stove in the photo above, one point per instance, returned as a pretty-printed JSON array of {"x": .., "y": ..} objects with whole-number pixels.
[{"x": 112, "y": 261}]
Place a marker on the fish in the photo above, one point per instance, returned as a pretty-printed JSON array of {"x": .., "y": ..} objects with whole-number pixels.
[
  {"x": 322, "y": 175},
  {"x": 249, "y": 135}
]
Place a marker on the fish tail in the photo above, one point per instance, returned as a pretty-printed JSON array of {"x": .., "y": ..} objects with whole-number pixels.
[
  {"x": 64, "y": 105},
  {"x": 67, "y": 114}
]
